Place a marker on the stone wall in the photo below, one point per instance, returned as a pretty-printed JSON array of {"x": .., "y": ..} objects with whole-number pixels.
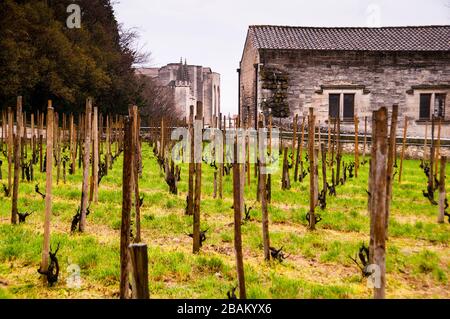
[
  {"x": 411, "y": 151},
  {"x": 247, "y": 83},
  {"x": 376, "y": 78}
]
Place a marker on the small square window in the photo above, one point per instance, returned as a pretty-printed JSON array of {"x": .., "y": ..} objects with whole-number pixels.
[
  {"x": 349, "y": 106},
  {"x": 425, "y": 102},
  {"x": 334, "y": 105}
]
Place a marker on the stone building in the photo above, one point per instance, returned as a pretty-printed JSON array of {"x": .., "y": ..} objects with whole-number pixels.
[
  {"x": 347, "y": 72},
  {"x": 190, "y": 83}
]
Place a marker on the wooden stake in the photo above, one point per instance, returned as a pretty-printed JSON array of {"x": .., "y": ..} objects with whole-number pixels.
[
  {"x": 438, "y": 146},
  {"x": 48, "y": 189},
  {"x": 10, "y": 148},
  {"x": 311, "y": 155},
  {"x": 237, "y": 222},
  {"x": 300, "y": 153},
  {"x": 190, "y": 198},
  {"x": 425, "y": 142},
  {"x": 294, "y": 134},
  {"x": 41, "y": 138},
  {"x": 17, "y": 157},
  {"x": 127, "y": 204},
  {"x": 442, "y": 193},
  {"x": 139, "y": 266},
  {"x": 198, "y": 180},
  {"x": 136, "y": 149},
  {"x": 432, "y": 155},
  {"x": 338, "y": 151},
  {"x": 269, "y": 176},
  {"x": 377, "y": 249},
  {"x": 95, "y": 155},
  {"x": 390, "y": 163},
  {"x": 365, "y": 139},
  {"x": 324, "y": 170},
  {"x": 403, "y": 150},
  {"x": 86, "y": 158},
  {"x": 263, "y": 196},
  {"x": 356, "y": 147}
]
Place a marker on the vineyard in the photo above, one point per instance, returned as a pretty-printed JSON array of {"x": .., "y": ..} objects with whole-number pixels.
[{"x": 186, "y": 216}]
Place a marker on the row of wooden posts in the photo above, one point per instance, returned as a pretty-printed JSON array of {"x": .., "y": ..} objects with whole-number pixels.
[
  {"x": 382, "y": 161},
  {"x": 124, "y": 134}
]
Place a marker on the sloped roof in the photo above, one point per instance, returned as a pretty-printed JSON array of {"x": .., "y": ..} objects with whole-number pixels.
[{"x": 413, "y": 38}]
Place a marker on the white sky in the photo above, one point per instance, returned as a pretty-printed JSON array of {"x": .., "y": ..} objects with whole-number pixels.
[{"x": 212, "y": 32}]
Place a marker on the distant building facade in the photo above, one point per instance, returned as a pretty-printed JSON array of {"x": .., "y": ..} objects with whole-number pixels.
[
  {"x": 190, "y": 83},
  {"x": 347, "y": 73}
]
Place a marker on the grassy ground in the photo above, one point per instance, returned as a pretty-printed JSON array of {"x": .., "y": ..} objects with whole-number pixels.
[{"x": 418, "y": 256}]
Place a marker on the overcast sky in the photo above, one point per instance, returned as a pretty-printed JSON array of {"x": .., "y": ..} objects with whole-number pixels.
[{"x": 212, "y": 32}]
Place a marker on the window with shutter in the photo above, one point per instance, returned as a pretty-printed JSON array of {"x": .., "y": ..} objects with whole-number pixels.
[
  {"x": 349, "y": 106},
  {"x": 334, "y": 100}
]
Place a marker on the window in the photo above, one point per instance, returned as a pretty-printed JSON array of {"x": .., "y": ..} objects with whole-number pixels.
[
  {"x": 439, "y": 105},
  {"x": 334, "y": 101},
  {"x": 429, "y": 99},
  {"x": 425, "y": 101},
  {"x": 349, "y": 106}
]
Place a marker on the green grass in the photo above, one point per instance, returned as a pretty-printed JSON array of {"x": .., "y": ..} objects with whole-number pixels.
[{"x": 318, "y": 265}]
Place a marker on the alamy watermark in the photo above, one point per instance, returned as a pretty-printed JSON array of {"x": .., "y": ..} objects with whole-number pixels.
[
  {"x": 212, "y": 145},
  {"x": 74, "y": 19},
  {"x": 373, "y": 274}
]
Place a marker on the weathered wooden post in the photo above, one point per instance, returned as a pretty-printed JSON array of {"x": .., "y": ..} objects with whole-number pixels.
[
  {"x": 403, "y": 150},
  {"x": 222, "y": 157},
  {"x": 10, "y": 149},
  {"x": 262, "y": 190},
  {"x": 432, "y": 156},
  {"x": 356, "y": 146},
  {"x": 299, "y": 148},
  {"x": 17, "y": 140},
  {"x": 442, "y": 193},
  {"x": 237, "y": 221},
  {"x": 438, "y": 146},
  {"x": 377, "y": 248},
  {"x": 127, "y": 204},
  {"x": 338, "y": 150},
  {"x": 71, "y": 143},
  {"x": 190, "y": 197},
  {"x": 329, "y": 138},
  {"x": 198, "y": 131},
  {"x": 390, "y": 163},
  {"x": 32, "y": 141},
  {"x": 161, "y": 144},
  {"x": 294, "y": 140},
  {"x": 247, "y": 156},
  {"x": 425, "y": 142},
  {"x": 269, "y": 176},
  {"x": 41, "y": 142},
  {"x": 86, "y": 158},
  {"x": 311, "y": 155},
  {"x": 56, "y": 146},
  {"x": 48, "y": 189},
  {"x": 365, "y": 139},
  {"x": 136, "y": 149},
  {"x": 285, "y": 182},
  {"x": 108, "y": 145},
  {"x": 324, "y": 171},
  {"x": 95, "y": 156},
  {"x": 333, "y": 147},
  {"x": 139, "y": 271}
]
